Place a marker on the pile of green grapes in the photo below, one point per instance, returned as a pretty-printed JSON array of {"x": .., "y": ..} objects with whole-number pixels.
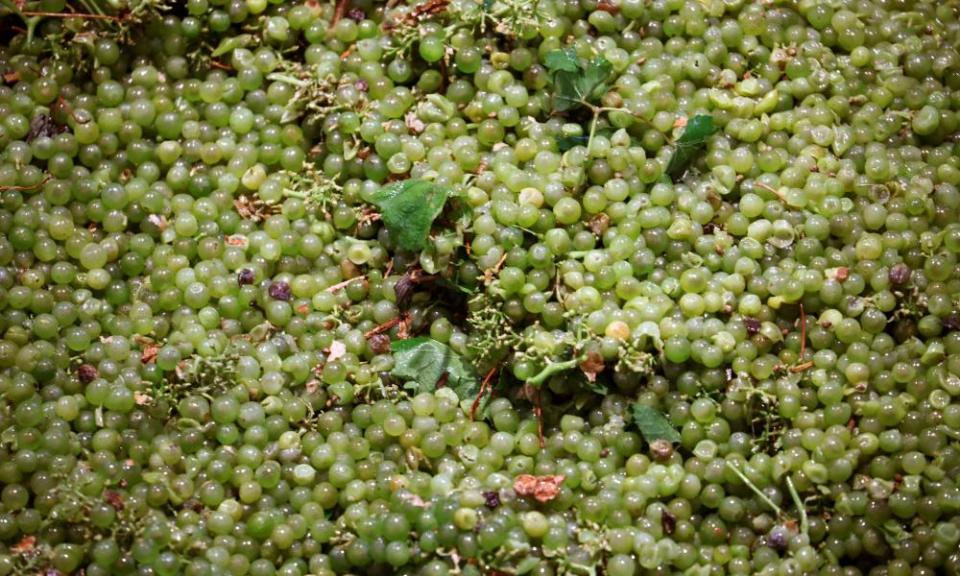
[{"x": 479, "y": 287}]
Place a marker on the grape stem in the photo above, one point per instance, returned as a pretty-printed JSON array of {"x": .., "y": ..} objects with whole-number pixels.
[
  {"x": 801, "y": 509},
  {"x": 537, "y": 380},
  {"x": 339, "y": 11},
  {"x": 802, "y": 366},
  {"x": 597, "y": 110},
  {"x": 553, "y": 368},
  {"x": 803, "y": 332},
  {"x": 757, "y": 491},
  {"x": 483, "y": 390},
  {"x": 31, "y": 187},
  {"x": 770, "y": 189},
  {"x": 343, "y": 284},
  {"x": 381, "y": 328},
  {"x": 74, "y": 15},
  {"x": 538, "y": 409}
]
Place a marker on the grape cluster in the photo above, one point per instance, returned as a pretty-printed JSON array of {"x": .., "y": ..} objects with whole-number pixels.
[{"x": 479, "y": 287}]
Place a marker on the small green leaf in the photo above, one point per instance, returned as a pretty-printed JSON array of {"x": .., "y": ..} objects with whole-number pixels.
[
  {"x": 422, "y": 362},
  {"x": 408, "y": 209},
  {"x": 574, "y": 82},
  {"x": 592, "y": 83},
  {"x": 231, "y": 43},
  {"x": 694, "y": 138},
  {"x": 562, "y": 60},
  {"x": 566, "y": 95},
  {"x": 565, "y": 143},
  {"x": 653, "y": 424}
]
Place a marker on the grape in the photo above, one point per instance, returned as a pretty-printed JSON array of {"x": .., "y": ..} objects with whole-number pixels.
[{"x": 611, "y": 342}]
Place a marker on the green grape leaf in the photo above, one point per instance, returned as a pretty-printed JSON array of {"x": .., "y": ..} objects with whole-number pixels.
[
  {"x": 574, "y": 81},
  {"x": 593, "y": 82},
  {"x": 562, "y": 60},
  {"x": 424, "y": 363},
  {"x": 566, "y": 94},
  {"x": 565, "y": 143},
  {"x": 694, "y": 138},
  {"x": 231, "y": 43},
  {"x": 408, "y": 209},
  {"x": 653, "y": 424}
]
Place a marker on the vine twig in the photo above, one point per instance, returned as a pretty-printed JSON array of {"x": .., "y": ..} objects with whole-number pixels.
[
  {"x": 483, "y": 390},
  {"x": 79, "y": 15},
  {"x": 766, "y": 499},
  {"x": 46, "y": 179},
  {"x": 801, "y": 509}
]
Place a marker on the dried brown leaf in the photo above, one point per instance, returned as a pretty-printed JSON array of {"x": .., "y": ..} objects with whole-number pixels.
[
  {"x": 542, "y": 488},
  {"x": 158, "y": 220},
  {"x": 414, "y": 123},
  {"x": 599, "y": 224},
  {"x": 149, "y": 353},
  {"x": 592, "y": 366},
  {"x": 25, "y": 545},
  {"x": 413, "y": 499},
  {"x": 114, "y": 499},
  {"x": 337, "y": 349}
]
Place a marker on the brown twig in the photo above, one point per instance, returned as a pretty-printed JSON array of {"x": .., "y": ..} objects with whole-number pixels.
[
  {"x": 489, "y": 272},
  {"x": 79, "y": 15},
  {"x": 220, "y": 65},
  {"x": 483, "y": 390},
  {"x": 802, "y": 367},
  {"x": 383, "y": 327},
  {"x": 803, "y": 344},
  {"x": 343, "y": 284},
  {"x": 538, "y": 410},
  {"x": 803, "y": 332},
  {"x": 62, "y": 104},
  {"x": 46, "y": 179},
  {"x": 769, "y": 189},
  {"x": 339, "y": 11}
]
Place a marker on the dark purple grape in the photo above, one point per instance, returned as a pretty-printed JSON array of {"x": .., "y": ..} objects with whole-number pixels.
[
  {"x": 245, "y": 276},
  {"x": 952, "y": 322},
  {"x": 87, "y": 373},
  {"x": 899, "y": 274},
  {"x": 44, "y": 125},
  {"x": 778, "y": 538},
  {"x": 668, "y": 521},
  {"x": 280, "y": 291},
  {"x": 379, "y": 343},
  {"x": 491, "y": 498}
]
